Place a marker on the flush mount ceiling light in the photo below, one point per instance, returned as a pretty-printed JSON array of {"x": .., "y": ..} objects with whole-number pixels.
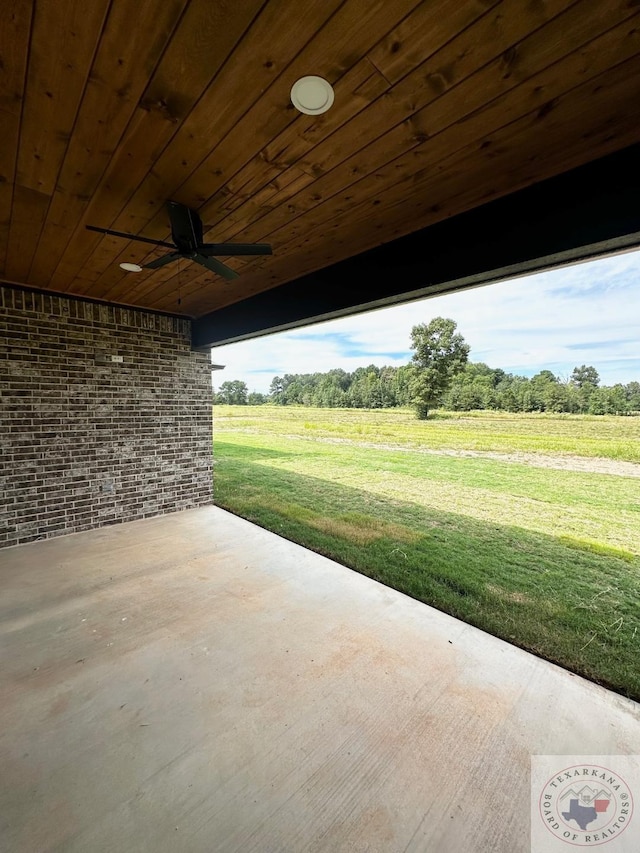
[
  {"x": 312, "y": 95},
  {"x": 131, "y": 267}
]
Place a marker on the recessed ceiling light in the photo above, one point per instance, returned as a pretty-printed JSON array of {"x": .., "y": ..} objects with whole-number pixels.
[
  {"x": 131, "y": 267},
  {"x": 312, "y": 95}
]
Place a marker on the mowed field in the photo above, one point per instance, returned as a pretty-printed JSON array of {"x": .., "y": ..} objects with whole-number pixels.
[{"x": 527, "y": 526}]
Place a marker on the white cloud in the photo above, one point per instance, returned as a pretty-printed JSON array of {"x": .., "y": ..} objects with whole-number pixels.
[{"x": 586, "y": 313}]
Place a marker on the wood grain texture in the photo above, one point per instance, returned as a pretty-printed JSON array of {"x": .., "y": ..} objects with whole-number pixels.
[
  {"x": 392, "y": 109},
  {"x": 400, "y": 176},
  {"x": 418, "y": 132},
  {"x": 477, "y": 174},
  {"x": 54, "y": 88},
  {"x": 262, "y": 55},
  {"x": 339, "y": 44},
  {"x": 439, "y": 107},
  {"x": 55, "y": 85},
  {"x": 15, "y": 35},
  {"x": 397, "y": 180},
  {"x": 118, "y": 77},
  {"x": 201, "y": 43}
]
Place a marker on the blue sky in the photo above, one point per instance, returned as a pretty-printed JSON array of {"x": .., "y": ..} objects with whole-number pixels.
[{"x": 583, "y": 314}]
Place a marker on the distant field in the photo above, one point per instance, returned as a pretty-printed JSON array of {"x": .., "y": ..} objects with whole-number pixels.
[
  {"x": 526, "y": 526},
  {"x": 581, "y": 435}
]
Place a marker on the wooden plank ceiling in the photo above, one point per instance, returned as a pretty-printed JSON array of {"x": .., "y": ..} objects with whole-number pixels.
[{"x": 112, "y": 107}]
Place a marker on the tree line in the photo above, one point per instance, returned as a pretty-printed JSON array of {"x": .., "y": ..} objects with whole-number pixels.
[{"x": 440, "y": 375}]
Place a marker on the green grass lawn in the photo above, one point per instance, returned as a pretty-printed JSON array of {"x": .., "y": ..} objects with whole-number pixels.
[
  {"x": 547, "y": 559},
  {"x": 582, "y": 435}
]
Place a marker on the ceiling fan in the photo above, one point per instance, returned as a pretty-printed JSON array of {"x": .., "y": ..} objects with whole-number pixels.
[{"x": 186, "y": 233}]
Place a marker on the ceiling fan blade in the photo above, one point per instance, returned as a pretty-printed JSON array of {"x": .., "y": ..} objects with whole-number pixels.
[
  {"x": 208, "y": 249},
  {"x": 129, "y": 236},
  {"x": 216, "y": 266},
  {"x": 165, "y": 259}
]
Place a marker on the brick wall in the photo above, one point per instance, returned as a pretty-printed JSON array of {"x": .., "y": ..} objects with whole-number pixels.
[{"x": 86, "y": 441}]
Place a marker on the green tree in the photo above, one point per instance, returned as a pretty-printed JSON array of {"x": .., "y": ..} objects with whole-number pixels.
[
  {"x": 388, "y": 387},
  {"x": 632, "y": 391},
  {"x": 473, "y": 388},
  {"x": 555, "y": 398},
  {"x": 618, "y": 401},
  {"x": 276, "y": 390},
  {"x": 233, "y": 393},
  {"x": 609, "y": 401},
  {"x": 440, "y": 354},
  {"x": 542, "y": 388},
  {"x": 403, "y": 383},
  {"x": 585, "y": 375}
]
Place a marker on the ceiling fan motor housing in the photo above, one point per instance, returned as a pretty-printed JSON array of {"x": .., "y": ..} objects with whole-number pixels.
[{"x": 186, "y": 228}]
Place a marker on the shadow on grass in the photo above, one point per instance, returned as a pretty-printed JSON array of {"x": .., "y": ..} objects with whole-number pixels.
[
  {"x": 574, "y": 607},
  {"x": 256, "y": 452}
]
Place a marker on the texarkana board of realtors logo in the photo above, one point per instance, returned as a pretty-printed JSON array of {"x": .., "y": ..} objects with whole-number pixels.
[{"x": 584, "y": 803}]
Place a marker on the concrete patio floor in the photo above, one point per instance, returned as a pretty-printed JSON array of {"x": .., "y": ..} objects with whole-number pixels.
[{"x": 194, "y": 683}]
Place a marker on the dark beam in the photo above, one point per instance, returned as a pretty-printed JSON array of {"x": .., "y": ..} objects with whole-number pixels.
[{"x": 591, "y": 211}]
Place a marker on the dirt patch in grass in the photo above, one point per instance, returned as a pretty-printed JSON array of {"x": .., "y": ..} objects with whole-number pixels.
[
  {"x": 560, "y": 462},
  {"x": 515, "y": 597},
  {"x": 361, "y": 533},
  {"x": 353, "y": 527}
]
